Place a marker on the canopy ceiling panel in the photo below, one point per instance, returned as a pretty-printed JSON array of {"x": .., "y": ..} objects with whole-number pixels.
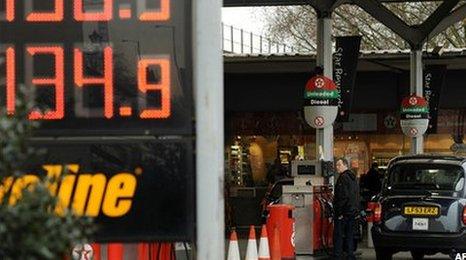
[{"x": 239, "y": 3}]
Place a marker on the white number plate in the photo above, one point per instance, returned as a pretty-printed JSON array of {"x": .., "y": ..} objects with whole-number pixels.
[{"x": 420, "y": 223}]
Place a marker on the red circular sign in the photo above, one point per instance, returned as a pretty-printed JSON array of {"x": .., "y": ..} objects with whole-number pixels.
[
  {"x": 320, "y": 83},
  {"x": 319, "y": 121},
  {"x": 413, "y": 101}
]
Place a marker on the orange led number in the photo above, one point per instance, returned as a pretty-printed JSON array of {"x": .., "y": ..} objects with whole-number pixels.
[
  {"x": 55, "y": 16},
  {"x": 163, "y": 86},
  {"x": 163, "y": 14},
  {"x": 57, "y": 81},
  {"x": 9, "y": 14},
  {"x": 104, "y": 15},
  {"x": 107, "y": 79},
  {"x": 10, "y": 81}
]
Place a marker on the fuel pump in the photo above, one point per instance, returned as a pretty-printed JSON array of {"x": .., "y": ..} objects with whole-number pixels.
[{"x": 311, "y": 196}]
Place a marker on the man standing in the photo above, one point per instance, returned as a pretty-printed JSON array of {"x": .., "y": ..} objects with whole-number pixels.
[
  {"x": 371, "y": 183},
  {"x": 346, "y": 208}
]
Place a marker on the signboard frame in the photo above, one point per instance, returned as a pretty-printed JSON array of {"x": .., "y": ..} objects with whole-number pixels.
[{"x": 188, "y": 146}]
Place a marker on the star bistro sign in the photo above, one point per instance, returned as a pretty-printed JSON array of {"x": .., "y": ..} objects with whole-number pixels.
[
  {"x": 414, "y": 118},
  {"x": 320, "y": 102}
]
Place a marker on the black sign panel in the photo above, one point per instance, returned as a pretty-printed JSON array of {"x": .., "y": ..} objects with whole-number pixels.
[
  {"x": 136, "y": 191},
  {"x": 434, "y": 79},
  {"x": 99, "y": 67},
  {"x": 345, "y": 62}
]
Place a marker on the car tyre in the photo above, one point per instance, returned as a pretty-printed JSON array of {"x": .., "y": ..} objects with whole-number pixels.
[
  {"x": 417, "y": 255},
  {"x": 383, "y": 254}
]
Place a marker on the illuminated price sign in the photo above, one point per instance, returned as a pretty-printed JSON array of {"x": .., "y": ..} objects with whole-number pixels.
[{"x": 99, "y": 66}]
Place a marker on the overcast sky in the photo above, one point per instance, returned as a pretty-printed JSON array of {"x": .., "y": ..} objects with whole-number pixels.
[{"x": 246, "y": 18}]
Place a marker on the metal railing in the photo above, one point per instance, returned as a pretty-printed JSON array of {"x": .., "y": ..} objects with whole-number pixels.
[{"x": 238, "y": 41}]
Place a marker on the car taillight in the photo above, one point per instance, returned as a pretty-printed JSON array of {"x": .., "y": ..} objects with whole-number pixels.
[
  {"x": 464, "y": 215},
  {"x": 378, "y": 213}
]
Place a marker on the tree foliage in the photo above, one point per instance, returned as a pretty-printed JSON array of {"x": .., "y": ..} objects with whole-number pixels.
[
  {"x": 15, "y": 132},
  {"x": 296, "y": 25},
  {"x": 30, "y": 228}
]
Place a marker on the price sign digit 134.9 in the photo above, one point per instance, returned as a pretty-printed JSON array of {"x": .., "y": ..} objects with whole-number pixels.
[{"x": 110, "y": 60}]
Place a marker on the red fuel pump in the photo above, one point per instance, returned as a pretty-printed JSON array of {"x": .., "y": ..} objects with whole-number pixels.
[{"x": 322, "y": 224}]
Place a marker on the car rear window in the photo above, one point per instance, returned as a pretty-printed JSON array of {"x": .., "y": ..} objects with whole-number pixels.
[{"x": 426, "y": 176}]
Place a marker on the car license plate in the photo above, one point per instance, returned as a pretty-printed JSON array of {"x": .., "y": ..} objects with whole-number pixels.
[
  {"x": 420, "y": 223},
  {"x": 420, "y": 211}
]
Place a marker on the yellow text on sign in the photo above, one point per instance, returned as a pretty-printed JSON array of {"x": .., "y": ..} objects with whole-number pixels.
[
  {"x": 88, "y": 194},
  {"x": 421, "y": 211}
]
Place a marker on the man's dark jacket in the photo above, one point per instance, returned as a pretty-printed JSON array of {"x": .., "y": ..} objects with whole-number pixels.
[{"x": 346, "y": 200}]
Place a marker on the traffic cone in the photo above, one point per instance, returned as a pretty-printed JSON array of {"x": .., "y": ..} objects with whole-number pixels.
[
  {"x": 264, "y": 253},
  {"x": 233, "y": 248},
  {"x": 276, "y": 251},
  {"x": 251, "y": 251}
]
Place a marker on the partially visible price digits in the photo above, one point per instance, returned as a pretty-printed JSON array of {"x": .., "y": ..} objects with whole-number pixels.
[
  {"x": 58, "y": 82},
  {"x": 160, "y": 14},
  {"x": 163, "y": 86}
]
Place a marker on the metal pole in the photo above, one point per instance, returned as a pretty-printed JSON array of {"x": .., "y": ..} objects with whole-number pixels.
[
  {"x": 251, "y": 38},
  {"x": 324, "y": 45},
  {"x": 417, "y": 143},
  {"x": 231, "y": 38},
  {"x": 208, "y": 93},
  {"x": 242, "y": 44},
  {"x": 260, "y": 43},
  {"x": 324, "y": 137}
]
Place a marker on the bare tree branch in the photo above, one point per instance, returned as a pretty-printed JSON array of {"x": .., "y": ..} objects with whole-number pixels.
[{"x": 296, "y": 26}]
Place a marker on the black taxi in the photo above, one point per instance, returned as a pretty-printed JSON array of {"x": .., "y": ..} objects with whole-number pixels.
[{"x": 422, "y": 207}]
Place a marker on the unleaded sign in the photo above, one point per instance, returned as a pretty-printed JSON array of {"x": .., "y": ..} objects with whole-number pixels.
[{"x": 115, "y": 79}]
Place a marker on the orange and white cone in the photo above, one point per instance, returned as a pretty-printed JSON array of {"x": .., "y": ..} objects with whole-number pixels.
[
  {"x": 233, "y": 247},
  {"x": 251, "y": 251},
  {"x": 264, "y": 253}
]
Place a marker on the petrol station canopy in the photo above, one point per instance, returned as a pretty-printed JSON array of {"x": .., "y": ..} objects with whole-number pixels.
[
  {"x": 238, "y": 3},
  {"x": 448, "y": 13}
]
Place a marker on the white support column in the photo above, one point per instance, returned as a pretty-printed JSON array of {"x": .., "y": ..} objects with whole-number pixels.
[
  {"x": 324, "y": 45},
  {"x": 417, "y": 143},
  {"x": 324, "y": 137},
  {"x": 208, "y": 95}
]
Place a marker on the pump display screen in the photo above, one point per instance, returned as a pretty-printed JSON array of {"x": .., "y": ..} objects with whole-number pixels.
[
  {"x": 306, "y": 170},
  {"x": 98, "y": 66}
]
